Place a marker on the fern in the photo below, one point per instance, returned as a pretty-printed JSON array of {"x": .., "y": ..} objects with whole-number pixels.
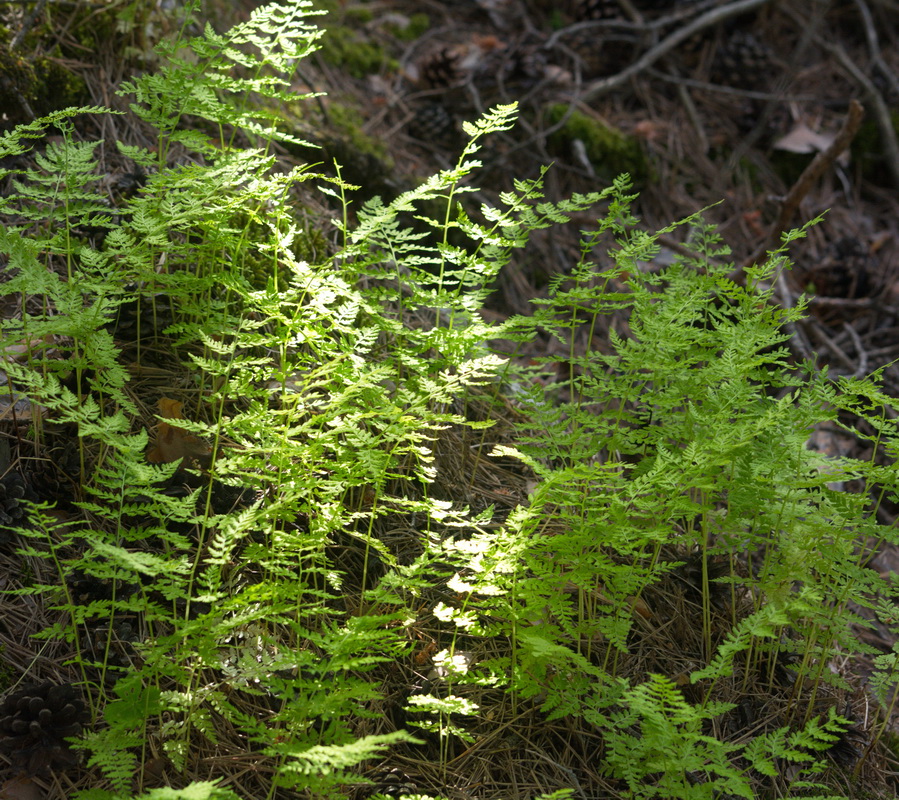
[{"x": 323, "y": 391}]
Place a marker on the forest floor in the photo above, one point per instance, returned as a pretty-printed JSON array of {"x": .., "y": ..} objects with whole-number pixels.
[{"x": 704, "y": 107}]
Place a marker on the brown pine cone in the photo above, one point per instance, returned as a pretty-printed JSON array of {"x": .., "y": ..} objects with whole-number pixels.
[
  {"x": 144, "y": 317},
  {"x": 442, "y": 68},
  {"x": 48, "y": 481},
  {"x": 13, "y": 490},
  {"x": 582, "y": 10},
  {"x": 434, "y": 125},
  {"x": 843, "y": 272},
  {"x": 743, "y": 62},
  {"x": 34, "y": 723},
  {"x": 600, "y": 54}
]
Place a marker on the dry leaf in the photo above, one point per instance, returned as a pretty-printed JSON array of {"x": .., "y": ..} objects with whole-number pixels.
[
  {"x": 640, "y": 606},
  {"x": 23, "y": 349},
  {"x": 174, "y": 443},
  {"x": 802, "y": 139},
  {"x": 21, "y": 788},
  {"x": 16, "y": 406}
]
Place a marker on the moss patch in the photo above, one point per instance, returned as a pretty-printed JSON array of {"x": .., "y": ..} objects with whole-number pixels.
[
  {"x": 365, "y": 161},
  {"x": 351, "y": 51},
  {"x": 609, "y": 151},
  {"x": 43, "y": 84},
  {"x": 416, "y": 25}
]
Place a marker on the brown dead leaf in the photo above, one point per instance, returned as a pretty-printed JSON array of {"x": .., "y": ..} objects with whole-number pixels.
[
  {"x": 174, "y": 443},
  {"x": 802, "y": 139},
  {"x": 20, "y": 788},
  {"x": 640, "y": 606},
  {"x": 23, "y": 349}
]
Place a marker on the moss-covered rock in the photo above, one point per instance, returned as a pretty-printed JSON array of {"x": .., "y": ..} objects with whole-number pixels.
[
  {"x": 364, "y": 161},
  {"x": 609, "y": 151},
  {"x": 354, "y": 53},
  {"x": 39, "y": 86}
]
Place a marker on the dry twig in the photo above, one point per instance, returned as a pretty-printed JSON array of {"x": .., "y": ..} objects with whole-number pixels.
[
  {"x": 819, "y": 165},
  {"x": 880, "y": 108},
  {"x": 862, "y": 369},
  {"x": 874, "y": 45}
]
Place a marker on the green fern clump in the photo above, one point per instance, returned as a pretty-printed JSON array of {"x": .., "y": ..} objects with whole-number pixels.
[{"x": 686, "y": 437}]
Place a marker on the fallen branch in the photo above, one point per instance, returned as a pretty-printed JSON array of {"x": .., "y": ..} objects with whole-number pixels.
[
  {"x": 716, "y": 15},
  {"x": 881, "y": 111},
  {"x": 819, "y": 165}
]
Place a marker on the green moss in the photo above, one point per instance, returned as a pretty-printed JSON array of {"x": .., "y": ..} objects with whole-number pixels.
[
  {"x": 309, "y": 244},
  {"x": 347, "y": 121},
  {"x": 416, "y": 25},
  {"x": 351, "y": 51},
  {"x": 16, "y": 79},
  {"x": 43, "y": 84},
  {"x": 60, "y": 88},
  {"x": 359, "y": 14},
  {"x": 364, "y": 160},
  {"x": 609, "y": 151}
]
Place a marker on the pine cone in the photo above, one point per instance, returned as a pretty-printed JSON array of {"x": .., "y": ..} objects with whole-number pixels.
[
  {"x": 86, "y": 589},
  {"x": 847, "y": 750},
  {"x": 661, "y": 6},
  {"x": 522, "y": 62},
  {"x": 441, "y": 69},
  {"x": 844, "y": 272},
  {"x": 48, "y": 481},
  {"x": 742, "y": 62},
  {"x": 35, "y": 722},
  {"x": 225, "y": 498},
  {"x": 600, "y": 54},
  {"x": 144, "y": 317},
  {"x": 528, "y": 63},
  {"x": 392, "y": 782},
  {"x": 583, "y": 10},
  {"x": 435, "y": 125},
  {"x": 13, "y": 489},
  {"x": 112, "y": 648},
  {"x": 689, "y": 574},
  {"x": 128, "y": 184}
]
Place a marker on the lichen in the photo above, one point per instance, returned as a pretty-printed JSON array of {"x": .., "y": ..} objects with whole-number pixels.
[{"x": 609, "y": 151}]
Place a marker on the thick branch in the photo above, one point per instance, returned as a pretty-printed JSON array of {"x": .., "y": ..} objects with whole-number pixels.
[
  {"x": 820, "y": 164},
  {"x": 716, "y": 15}
]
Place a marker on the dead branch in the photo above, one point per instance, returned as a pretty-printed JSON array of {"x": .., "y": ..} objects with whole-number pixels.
[
  {"x": 880, "y": 108},
  {"x": 716, "y": 15},
  {"x": 819, "y": 165}
]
